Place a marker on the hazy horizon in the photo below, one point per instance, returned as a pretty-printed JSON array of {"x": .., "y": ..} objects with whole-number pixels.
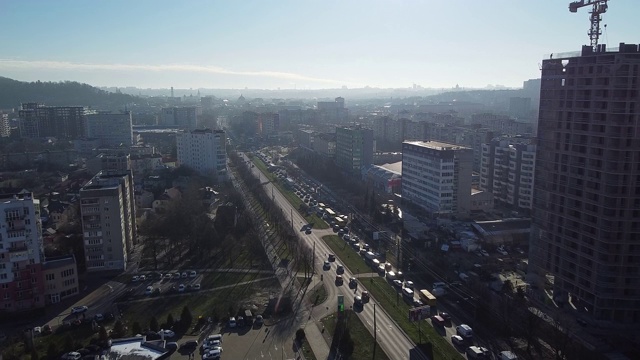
[{"x": 291, "y": 44}]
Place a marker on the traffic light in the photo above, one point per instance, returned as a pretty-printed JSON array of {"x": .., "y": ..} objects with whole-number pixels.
[{"x": 340, "y": 303}]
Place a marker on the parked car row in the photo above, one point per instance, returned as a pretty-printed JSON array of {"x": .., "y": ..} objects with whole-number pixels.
[{"x": 164, "y": 276}]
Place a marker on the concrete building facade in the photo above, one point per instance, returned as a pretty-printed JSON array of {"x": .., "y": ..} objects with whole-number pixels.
[
  {"x": 587, "y": 198},
  {"x": 61, "y": 122},
  {"x": 204, "y": 151},
  {"x": 354, "y": 148},
  {"x": 107, "y": 208},
  {"x": 507, "y": 170},
  {"x": 184, "y": 117},
  {"x": 113, "y": 129},
  {"x": 437, "y": 177},
  {"x": 5, "y": 127},
  {"x": 21, "y": 253},
  {"x": 61, "y": 278}
]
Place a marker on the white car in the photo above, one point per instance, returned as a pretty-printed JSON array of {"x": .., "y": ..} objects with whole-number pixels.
[
  {"x": 196, "y": 287},
  {"x": 143, "y": 277},
  {"x": 135, "y": 278},
  {"x": 79, "y": 309},
  {"x": 192, "y": 274},
  {"x": 181, "y": 288},
  {"x": 232, "y": 322},
  {"x": 167, "y": 333},
  {"x": 148, "y": 290},
  {"x": 212, "y": 353},
  {"x": 457, "y": 340}
]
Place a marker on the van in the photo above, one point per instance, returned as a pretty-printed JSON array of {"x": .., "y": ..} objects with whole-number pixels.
[
  {"x": 407, "y": 292},
  {"x": 439, "y": 284},
  {"x": 465, "y": 331},
  {"x": 248, "y": 317},
  {"x": 476, "y": 352}
]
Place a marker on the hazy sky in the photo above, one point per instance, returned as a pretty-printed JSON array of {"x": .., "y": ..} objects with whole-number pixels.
[{"x": 295, "y": 43}]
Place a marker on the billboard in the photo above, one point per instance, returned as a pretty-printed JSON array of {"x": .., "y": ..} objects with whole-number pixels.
[{"x": 419, "y": 313}]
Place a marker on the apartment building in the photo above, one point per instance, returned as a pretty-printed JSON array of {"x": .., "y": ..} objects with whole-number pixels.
[
  {"x": 587, "y": 198},
  {"x": 184, "y": 117},
  {"x": 113, "y": 129},
  {"x": 61, "y": 278},
  {"x": 204, "y": 151},
  {"x": 507, "y": 171},
  {"x": 21, "y": 253},
  {"x": 354, "y": 148},
  {"x": 62, "y": 122},
  {"x": 107, "y": 208},
  {"x": 437, "y": 177},
  {"x": 5, "y": 127},
  {"x": 325, "y": 144}
]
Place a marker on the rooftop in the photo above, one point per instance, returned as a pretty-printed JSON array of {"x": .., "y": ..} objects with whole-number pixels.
[
  {"x": 499, "y": 227},
  {"x": 436, "y": 145},
  {"x": 135, "y": 348},
  {"x": 58, "y": 261}
]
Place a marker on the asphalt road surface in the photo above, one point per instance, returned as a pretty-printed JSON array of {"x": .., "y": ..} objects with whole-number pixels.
[{"x": 391, "y": 338}]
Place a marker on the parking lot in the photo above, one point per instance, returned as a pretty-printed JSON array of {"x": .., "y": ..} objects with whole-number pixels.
[{"x": 164, "y": 283}]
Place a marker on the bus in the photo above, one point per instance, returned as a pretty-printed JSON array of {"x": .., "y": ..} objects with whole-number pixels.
[
  {"x": 340, "y": 222},
  {"x": 330, "y": 214},
  {"x": 427, "y": 298}
]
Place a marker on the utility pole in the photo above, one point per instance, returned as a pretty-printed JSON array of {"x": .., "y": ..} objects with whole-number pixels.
[
  {"x": 291, "y": 218},
  {"x": 313, "y": 265}
]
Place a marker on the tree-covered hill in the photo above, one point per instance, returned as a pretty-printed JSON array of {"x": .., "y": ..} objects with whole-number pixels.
[{"x": 67, "y": 93}]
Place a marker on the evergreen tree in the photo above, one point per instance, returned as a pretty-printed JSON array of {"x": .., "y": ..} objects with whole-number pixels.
[
  {"x": 136, "y": 328},
  {"x": 186, "y": 318},
  {"x": 153, "y": 324},
  {"x": 118, "y": 329},
  {"x": 170, "y": 321}
]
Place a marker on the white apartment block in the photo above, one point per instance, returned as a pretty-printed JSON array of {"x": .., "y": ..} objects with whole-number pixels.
[
  {"x": 437, "y": 177},
  {"x": 113, "y": 129},
  {"x": 204, "y": 151},
  {"x": 21, "y": 253},
  {"x": 507, "y": 171},
  {"x": 108, "y": 220}
]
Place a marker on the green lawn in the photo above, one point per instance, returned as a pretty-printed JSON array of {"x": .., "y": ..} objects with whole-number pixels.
[
  {"x": 217, "y": 279},
  {"x": 361, "y": 337},
  {"x": 207, "y": 303},
  {"x": 349, "y": 257},
  {"x": 318, "y": 295},
  {"x": 386, "y": 296}
]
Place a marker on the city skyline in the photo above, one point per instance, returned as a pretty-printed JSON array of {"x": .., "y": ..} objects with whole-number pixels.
[{"x": 288, "y": 44}]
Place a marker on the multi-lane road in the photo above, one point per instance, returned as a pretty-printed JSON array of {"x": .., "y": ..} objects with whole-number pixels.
[{"x": 391, "y": 338}]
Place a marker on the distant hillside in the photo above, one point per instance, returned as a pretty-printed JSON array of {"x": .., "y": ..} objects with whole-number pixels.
[{"x": 68, "y": 93}]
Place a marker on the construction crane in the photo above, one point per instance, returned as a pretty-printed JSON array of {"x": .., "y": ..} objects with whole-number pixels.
[{"x": 598, "y": 7}]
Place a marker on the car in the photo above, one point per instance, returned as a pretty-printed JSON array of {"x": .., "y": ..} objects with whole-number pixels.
[
  {"x": 353, "y": 282},
  {"x": 327, "y": 265},
  {"x": 46, "y": 329},
  {"x": 437, "y": 320},
  {"x": 457, "y": 340},
  {"x": 308, "y": 231},
  {"x": 74, "y": 355},
  {"x": 365, "y": 296},
  {"x": 79, "y": 309},
  {"x": 409, "y": 284},
  {"x": 37, "y": 330},
  {"x": 332, "y": 257},
  {"x": 339, "y": 269},
  {"x": 171, "y": 346},
  {"x": 156, "y": 291},
  {"x": 192, "y": 274},
  {"x": 346, "y": 237},
  {"x": 175, "y": 276},
  {"x": 196, "y": 287},
  {"x": 167, "y": 333},
  {"x": 259, "y": 320},
  {"x": 240, "y": 321},
  {"x": 181, "y": 288},
  {"x": 211, "y": 339},
  {"x": 232, "y": 322},
  {"x": 484, "y": 253},
  {"x": 417, "y": 302},
  {"x": 339, "y": 279},
  {"x": 189, "y": 345},
  {"x": 143, "y": 277},
  {"x": 445, "y": 316},
  {"x": 98, "y": 317},
  {"x": 135, "y": 278},
  {"x": 184, "y": 275},
  {"x": 148, "y": 290},
  {"x": 397, "y": 283},
  {"x": 357, "y": 301},
  {"x": 212, "y": 354}
]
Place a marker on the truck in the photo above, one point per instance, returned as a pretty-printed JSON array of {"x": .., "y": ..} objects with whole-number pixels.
[{"x": 427, "y": 297}]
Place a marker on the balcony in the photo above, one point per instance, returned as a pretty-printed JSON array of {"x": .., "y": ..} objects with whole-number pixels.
[{"x": 19, "y": 248}]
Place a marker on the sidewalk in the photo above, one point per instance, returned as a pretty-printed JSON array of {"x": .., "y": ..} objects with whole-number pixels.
[{"x": 316, "y": 340}]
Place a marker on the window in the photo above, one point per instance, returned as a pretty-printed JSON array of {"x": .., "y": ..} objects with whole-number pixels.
[{"x": 50, "y": 277}]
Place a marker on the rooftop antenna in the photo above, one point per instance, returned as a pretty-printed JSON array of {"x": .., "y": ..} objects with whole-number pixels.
[{"x": 598, "y": 7}]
